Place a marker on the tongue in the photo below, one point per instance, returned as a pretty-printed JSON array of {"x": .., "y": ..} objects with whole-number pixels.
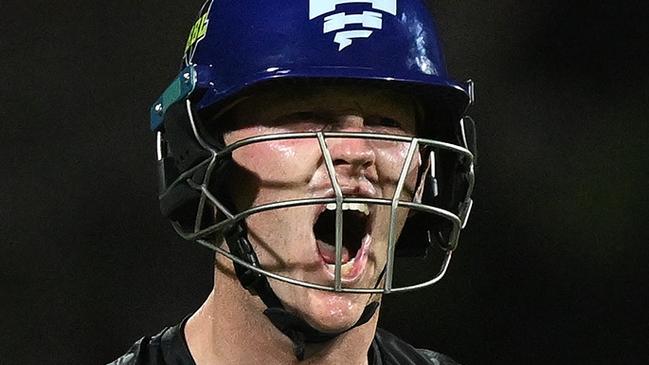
[{"x": 328, "y": 253}]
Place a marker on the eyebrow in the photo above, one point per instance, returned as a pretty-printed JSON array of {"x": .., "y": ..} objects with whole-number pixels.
[
  {"x": 327, "y": 117},
  {"x": 321, "y": 116}
]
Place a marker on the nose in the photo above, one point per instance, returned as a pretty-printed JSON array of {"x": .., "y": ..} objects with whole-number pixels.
[{"x": 353, "y": 154}]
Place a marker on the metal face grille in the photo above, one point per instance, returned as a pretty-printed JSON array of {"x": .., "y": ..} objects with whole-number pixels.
[{"x": 202, "y": 232}]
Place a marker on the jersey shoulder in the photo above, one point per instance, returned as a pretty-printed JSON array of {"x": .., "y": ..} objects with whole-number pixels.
[
  {"x": 145, "y": 351},
  {"x": 166, "y": 348},
  {"x": 394, "y": 350},
  {"x": 436, "y": 357}
]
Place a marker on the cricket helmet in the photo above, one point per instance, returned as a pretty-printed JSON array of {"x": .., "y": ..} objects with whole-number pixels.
[{"x": 239, "y": 48}]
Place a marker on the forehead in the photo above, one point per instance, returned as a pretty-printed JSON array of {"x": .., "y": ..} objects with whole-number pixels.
[{"x": 272, "y": 104}]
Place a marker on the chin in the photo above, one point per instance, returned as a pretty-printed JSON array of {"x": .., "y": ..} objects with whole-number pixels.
[{"x": 333, "y": 312}]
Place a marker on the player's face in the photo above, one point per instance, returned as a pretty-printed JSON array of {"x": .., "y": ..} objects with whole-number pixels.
[{"x": 298, "y": 242}]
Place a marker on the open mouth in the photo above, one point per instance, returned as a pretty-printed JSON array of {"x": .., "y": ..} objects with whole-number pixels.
[{"x": 356, "y": 238}]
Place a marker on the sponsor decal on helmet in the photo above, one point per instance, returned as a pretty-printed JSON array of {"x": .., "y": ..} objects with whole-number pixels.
[
  {"x": 197, "y": 33},
  {"x": 338, "y": 21}
]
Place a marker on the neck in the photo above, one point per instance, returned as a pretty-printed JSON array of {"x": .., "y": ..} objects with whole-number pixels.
[{"x": 230, "y": 328}]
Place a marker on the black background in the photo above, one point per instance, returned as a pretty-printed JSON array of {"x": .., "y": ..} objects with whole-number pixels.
[{"x": 552, "y": 268}]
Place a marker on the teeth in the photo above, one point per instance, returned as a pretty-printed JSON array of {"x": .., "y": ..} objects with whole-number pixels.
[
  {"x": 360, "y": 207},
  {"x": 345, "y": 268}
]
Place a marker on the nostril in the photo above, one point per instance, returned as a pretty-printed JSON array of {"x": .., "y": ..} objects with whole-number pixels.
[
  {"x": 360, "y": 163},
  {"x": 356, "y": 159}
]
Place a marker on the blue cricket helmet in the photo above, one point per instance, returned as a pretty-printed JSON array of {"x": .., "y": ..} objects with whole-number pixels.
[{"x": 234, "y": 46}]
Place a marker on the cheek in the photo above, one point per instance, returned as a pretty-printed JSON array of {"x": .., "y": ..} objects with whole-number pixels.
[
  {"x": 390, "y": 160},
  {"x": 279, "y": 164}
]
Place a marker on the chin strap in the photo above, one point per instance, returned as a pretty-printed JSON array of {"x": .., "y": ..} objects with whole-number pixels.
[
  {"x": 297, "y": 329},
  {"x": 301, "y": 333}
]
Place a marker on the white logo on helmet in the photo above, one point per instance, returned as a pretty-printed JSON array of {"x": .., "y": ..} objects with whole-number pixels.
[{"x": 337, "y": 22}]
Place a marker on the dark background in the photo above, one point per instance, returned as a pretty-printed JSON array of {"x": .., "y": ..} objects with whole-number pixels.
[{"x": 551, "y": 270}]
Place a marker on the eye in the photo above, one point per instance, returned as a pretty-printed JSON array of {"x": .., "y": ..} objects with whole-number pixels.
[
  {"x": 304, "y": 116},
  {"x": 302, "y": 121},
  {"x": 389, "y": 122},
  {"x": 295, "y": 117}
]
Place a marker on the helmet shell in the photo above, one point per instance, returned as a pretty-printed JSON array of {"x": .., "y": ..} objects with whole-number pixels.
[{"x": 237, "y": 44}]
